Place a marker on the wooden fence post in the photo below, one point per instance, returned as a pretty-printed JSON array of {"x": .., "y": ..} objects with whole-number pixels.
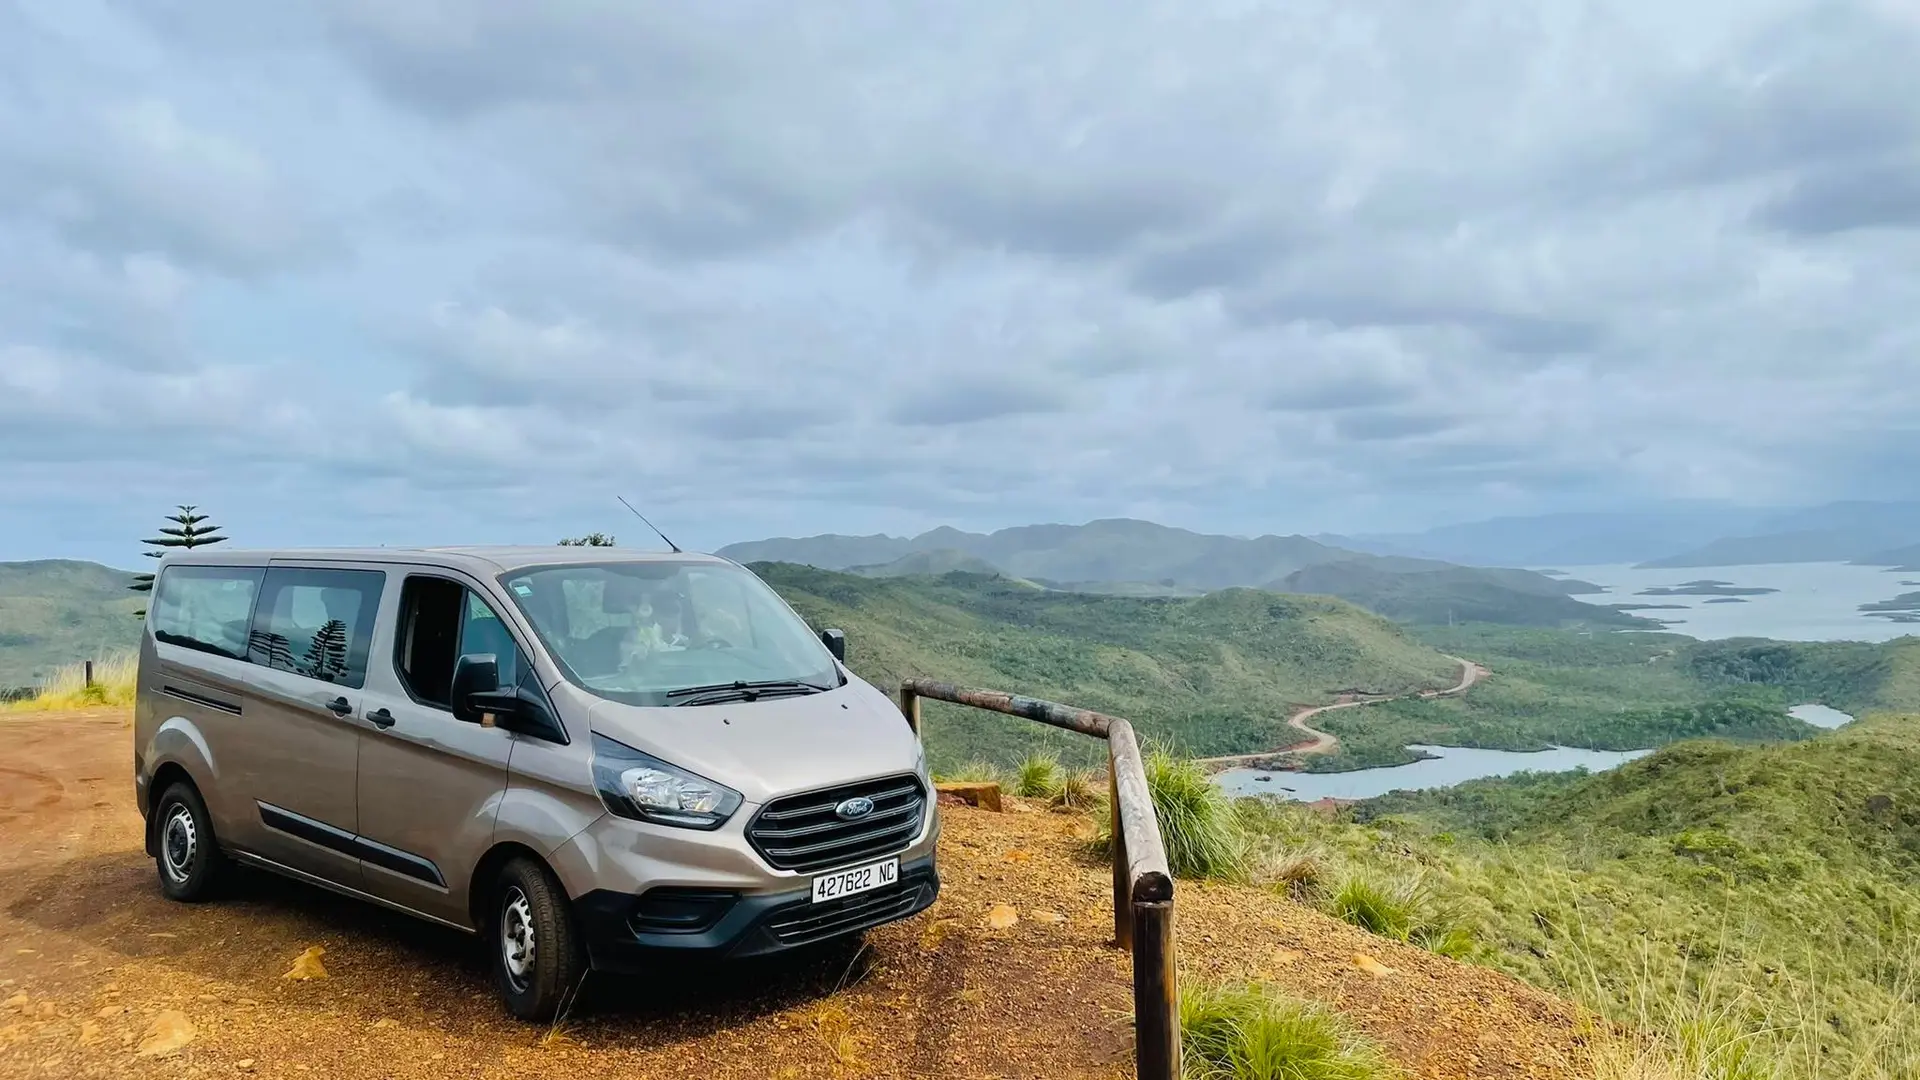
[
  {"x": 1156, "y": 999},
  {"x": 1122, "y": 866},
  {"x": 910, "y": 708},
  {"x": 89, "y": 673}
]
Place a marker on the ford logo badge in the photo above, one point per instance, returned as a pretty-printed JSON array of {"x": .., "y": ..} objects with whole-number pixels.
[{"x": 857, "y": 807}]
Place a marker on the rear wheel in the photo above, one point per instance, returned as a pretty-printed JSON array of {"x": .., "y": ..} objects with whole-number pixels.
[
  {"x": 189, "y": 858},
  {"x": 538, "y": 958}
]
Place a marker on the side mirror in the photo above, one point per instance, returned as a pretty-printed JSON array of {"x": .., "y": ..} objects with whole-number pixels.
[
  {"x": 477, "y": 697},
  {"x": 836, "y": 643}
]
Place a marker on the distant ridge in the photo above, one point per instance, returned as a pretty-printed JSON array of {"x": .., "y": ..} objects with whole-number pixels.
[{"x": 1124, "y": 556}]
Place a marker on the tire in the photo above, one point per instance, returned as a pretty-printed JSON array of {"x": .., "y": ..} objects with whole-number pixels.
[
  {"x": 188, "y": 857},
  {"x": 531, "y": 913}
]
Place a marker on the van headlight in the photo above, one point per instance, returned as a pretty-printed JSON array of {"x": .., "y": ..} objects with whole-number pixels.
[{"x": 642, "y": 787}]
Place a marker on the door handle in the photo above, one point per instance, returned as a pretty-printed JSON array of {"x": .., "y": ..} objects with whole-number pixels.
[
  {"x": 340, "y": 706},
  {"x": 381, "y": 719}
]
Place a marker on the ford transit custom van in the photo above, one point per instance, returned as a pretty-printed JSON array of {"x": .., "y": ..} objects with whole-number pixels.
[{"x": 591, "y": 759}]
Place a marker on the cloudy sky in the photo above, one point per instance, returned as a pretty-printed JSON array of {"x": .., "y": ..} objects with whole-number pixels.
[{"x": 446, "y": 270}]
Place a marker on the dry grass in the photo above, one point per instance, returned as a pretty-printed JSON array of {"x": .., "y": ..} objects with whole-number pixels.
[{"x": 113, "y": 684}]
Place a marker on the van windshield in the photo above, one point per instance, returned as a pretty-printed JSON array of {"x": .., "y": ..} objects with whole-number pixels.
[{"x": 643, "y": 633}]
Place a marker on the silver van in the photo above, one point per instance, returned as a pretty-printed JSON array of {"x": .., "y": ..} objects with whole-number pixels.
[{"x": 590, "y": 758}]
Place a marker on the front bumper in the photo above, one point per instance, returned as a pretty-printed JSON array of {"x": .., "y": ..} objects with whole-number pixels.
[{"x": 627, "y": 933}]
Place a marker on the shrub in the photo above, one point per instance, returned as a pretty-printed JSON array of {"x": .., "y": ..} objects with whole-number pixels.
[
  {"x": 1039, "y": 775},
  {"x": 1252, "y": 1032},
  {"x": 1199, "y": 823}
]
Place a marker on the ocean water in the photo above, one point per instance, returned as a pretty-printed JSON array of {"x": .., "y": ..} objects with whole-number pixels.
[{"x": 1816, "y": 601}]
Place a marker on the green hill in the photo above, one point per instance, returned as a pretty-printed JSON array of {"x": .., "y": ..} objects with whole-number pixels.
[
  {"x": 1215, "y": 674},
  {"x": 1455, "y": 593},
  {"x": 928, "y": 564},
  {"x": 58, "y": 611},
  {"x": 1139, "y": 558},
  {"x": 1778, "y": 884}
]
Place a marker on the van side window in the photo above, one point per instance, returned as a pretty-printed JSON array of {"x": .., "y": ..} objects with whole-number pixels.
[
  {"x": 317, "y": 623},
  {"x": 441, "y": 621},
  {"x": 206, "y": 608}
]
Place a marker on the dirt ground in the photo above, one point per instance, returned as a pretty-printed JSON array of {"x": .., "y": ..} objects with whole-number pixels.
[{"x": 99, "y": 974}]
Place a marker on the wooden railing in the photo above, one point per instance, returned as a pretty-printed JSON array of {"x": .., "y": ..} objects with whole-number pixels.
[{"x": 1142, "y": 885}]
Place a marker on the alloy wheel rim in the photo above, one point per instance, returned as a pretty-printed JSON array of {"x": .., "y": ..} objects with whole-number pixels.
[
  {"x": 179, "y": 843},
  {"x": 516, "y": 937}
]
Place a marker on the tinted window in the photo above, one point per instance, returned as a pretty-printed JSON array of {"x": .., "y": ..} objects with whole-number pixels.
[
  {"x": 317, "y": 623},
  {"x": 206, "y": 607}
]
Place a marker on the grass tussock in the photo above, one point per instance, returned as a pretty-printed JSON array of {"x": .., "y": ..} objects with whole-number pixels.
[
  {"x": 1199, "y": 824},
  {"x": 1079, "y": 790},
  {"x": 113, "y": 684},
  {"x": 1253, "y": 1032},
  {"x": 1041, "y": 775},
  {"x": 973, "y": 772},
  {"x": 1408, "y": 908},
  {"x": 1038, "y": 775}
]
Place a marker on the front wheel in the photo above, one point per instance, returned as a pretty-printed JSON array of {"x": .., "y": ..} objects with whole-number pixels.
[
  {"x": 189, "y": 859},
  {"x": 538, "y": 960}
]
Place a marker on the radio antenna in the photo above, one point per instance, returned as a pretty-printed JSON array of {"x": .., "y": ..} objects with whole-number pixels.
[{"x": 650, "y": 525}]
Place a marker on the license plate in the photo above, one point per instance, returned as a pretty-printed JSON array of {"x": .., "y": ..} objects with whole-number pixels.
[{"x": 857, "y": 880}]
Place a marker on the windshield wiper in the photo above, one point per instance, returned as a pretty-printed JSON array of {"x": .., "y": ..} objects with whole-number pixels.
[{"x": 742, "y": 690}]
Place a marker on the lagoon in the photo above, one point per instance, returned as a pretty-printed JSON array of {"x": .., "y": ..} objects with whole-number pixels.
[
  {"x": 1815, "y": 601},
  {"x": 1450, "y": 765}
]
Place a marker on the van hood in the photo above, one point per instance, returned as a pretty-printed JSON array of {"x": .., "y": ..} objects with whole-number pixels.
[{"x": 765, "y": 749}]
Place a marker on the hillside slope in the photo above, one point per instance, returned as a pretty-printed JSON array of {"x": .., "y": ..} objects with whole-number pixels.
[
  {"x": 58, "y": 611},
  {"x": 1782, "y": 882},
  {"x": 1455, "y": 593},
  {"x": 1216, "y": 674}
]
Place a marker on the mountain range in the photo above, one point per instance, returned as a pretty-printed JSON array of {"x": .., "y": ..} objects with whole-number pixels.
[
  {"x": 1678, "y": 535},
  {"x": 1122, "y": 556}
]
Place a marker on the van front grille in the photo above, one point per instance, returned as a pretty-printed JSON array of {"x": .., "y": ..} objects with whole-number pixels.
[
  {"x": 805, "y": 832},
  {"x": 805, "y": 923}
]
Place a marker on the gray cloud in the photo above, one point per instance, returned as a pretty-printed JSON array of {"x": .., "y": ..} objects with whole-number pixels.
[{"x": 1239, "y": 268}]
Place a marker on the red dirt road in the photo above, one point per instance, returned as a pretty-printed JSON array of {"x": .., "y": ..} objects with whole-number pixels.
[
  {"x": 1322, "y": 742},
  {"x": 93, "y": 961}
]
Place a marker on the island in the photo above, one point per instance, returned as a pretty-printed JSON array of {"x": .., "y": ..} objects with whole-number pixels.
[
  {"x": 1727, "y": 600},
  {"x": 1904, "y": 608},
  {"x": 1706, "y": 587}
]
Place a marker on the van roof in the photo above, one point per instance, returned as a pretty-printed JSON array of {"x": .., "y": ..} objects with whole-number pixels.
[{"x": 478, "y": 559}]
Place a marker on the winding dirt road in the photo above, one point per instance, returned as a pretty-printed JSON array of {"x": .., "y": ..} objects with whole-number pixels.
[{"x": 1321, "y": 742}]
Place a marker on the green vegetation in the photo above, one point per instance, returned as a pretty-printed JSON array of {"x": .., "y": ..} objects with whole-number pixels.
[
  {"x": 1217, "y": 674},
  {"x": 1139, "y": 558},
  {"x": 58, "y": 612},
  {"x": 1199, "y": 824},
  {"x": 185, "y": 530},
  {"x": 1248, "y": 1031},
  {"x": 1407, "y": 908},
  {"x": 67, "y": 687},
  {"x": 1038, "y": 775},
  {"x": 927, "y": 564},
  {"x": 1440, "y": 594},
  {"x": 1720, "y": 895},
  {"x": 592, "y": 539},
  {"x": 1621, "y": 691}
]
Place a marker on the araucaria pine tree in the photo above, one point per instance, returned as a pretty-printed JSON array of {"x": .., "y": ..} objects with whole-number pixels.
[{"x": 185, "y": 529}]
